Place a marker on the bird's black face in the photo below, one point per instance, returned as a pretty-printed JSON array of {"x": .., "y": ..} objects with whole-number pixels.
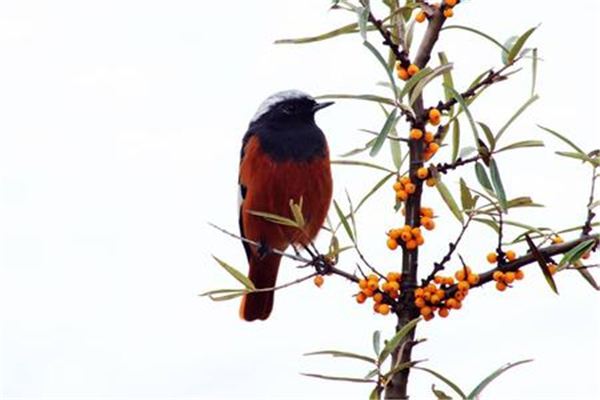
[{"x": 295, "y": 110}]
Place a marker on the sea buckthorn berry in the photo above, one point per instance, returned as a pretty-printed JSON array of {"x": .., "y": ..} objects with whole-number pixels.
[
  {"x": 438, "y": 279},
  {"x": 435, "y": 299},
  {"x": 458, "y": 305},
  {"x": 411, "y": 244},
  {"x": 394, "y": 233},
  {"x": 403, "y": 73},
  {"x": 463, "y": 285},
  {"x": 404, "y": 180},
  {"x": 406, "y": 236},
  {"x": 394, "y": 295},
  {"x": 397, "y": 186},
  {"x": 393, "y": 276},
  {"x": 434, "y": 116},
  {"x": 416, "y": 134},
  {"x": 427, "y": 296},
  {"x": 420, "y": 240},
  {"x": 372, "y": 284},
  {"x": 451, "y": 3},
  {"x": 392, "y": 244},
  {"x": 419, "y": 292},
  {"x": 394, "y": 286},
  {"x": 498, "y": 276},
  {"x": 431, "y": 182},
  {"x": 413, "y": 69},
  {"x": 460, "y": 295},
  {"x": 425, "y": 311},
  {"x": 361, "y": 298},
  {"x": 377, "y": 297},
  {"x": 440, "y": 293},
  {"x": 509, "y": 277},
  {"x": 443, "y": 312},
  {"x": 448, "y": 13},
  {"x": 428, "y": 223},
  {"x": 552, "y": 268},
  {"x": 449, "y": 280},
  {"x": 492, "y": 258},
  {"x": 318, "y": 280},
  {"x": 473, "y": 279},
  {"x": 557, "y": 240},
  {"x": 362, "y": 283},
  {"x": 410, "y": 188},
  {"x": 501, "y": 286},
  {"x": 433, "y": 147},
  {"x": 452, "y": 303},
  {"x": 383, "y": 309},
  {"x": 421, "y": 17},
  {"x": 428, "y": 137},
  {"x": 460, "y": 275},
  {"x": 422, "y": 173},
  {"x": 372, "y": 277},
  {"x": 427, "y": 212},
  {"x": 368, "y": 292},
  {"x": 419, "y": 302},
  {"x": 519, "y": 275},
  {"x": 510, "y": 255},
  {"x": 385, "y": 287},
  {"x": 416, "y": 231},
  {"x": 402, "y": 195}
]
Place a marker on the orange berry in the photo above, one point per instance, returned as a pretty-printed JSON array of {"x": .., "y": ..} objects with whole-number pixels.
[
  {"x": 427, "y": 212},
  {"x": 501, "y": 286},
  {"x": 510, "y": 255},
  {"x": 394, "y": 286},
  {"x": 433, "y": 147},
  {"x": 404, "y": 180},
  {"x": 397, "y": 186},
  {"x": 431, "y": 182},
  {"x": 428, "y": 137},
  {"x": 416, "y": 231},
  {"x": 429, "y": 317},
  {"x": 452, "y": 303},
  {"x": 385, "y": 287},
  {"x": 406, "y": 236},
  {"x": 394, "y": 295},
  {"x": 392, "y": 244},
  {"x": 361, "y": 298},
  {"x": 509, "y": 277},
  {"x": 402, "y": 195},
  {"x": 422, "y": 173},
  {"x": 420, "y": 240},
  {"x": 459, "y": 295},
  {"x": 448, "y": 13},
  {"x": 372, "y": 277},
  {"x": 425, "y": 311},
  {"x": 416, "y": 134},
  {"x": 440, "y": 293},
  {"x": 410, "y": 188},
  {"x": 394, "y": 233},
  {"x": 362, "y": 283},
  {"x": 492, "y": 258},
  {"x": 428, "y": 223},
  {"x": 463, "y": 285},
  {"x": 557, "y": 240},
  {"x": 519, "y": 275},
  {"x": 372, "y": 284},
  {"x": 393, "y": 276},
  {"x": 438, "y": 279},
  {"x": 460, "y": 275},
  {"x": 419, "y": 302},
  {"x": 413, "y": 69},
  {"x": 378, "y": 297},
  {"x": 449, "y": 280},
  {"x": 403, "y": 74},
  {"x": 411, "y": 244},
  {"x": 434, "y": 116},
  {"x": 368, "y": 292},
  {"x": 427, "y": 296},
  {"x": 318, "y": 280},
  {"x": 443, "y": 312},
  {"x": 498, "y": 276},
  {"x": 553, "y": 268},
  {"x": 421, "y": 17},
  {"x": 383, "y": 309},
  {"x": 431, "y": 288},
  {"x": 473, "y": 279},
  {"x": 458, "y": 305},
  {"x": 451, "y": 3},
  {"x": 435, "y": 299},
  {"x": 419, "y": 292}
]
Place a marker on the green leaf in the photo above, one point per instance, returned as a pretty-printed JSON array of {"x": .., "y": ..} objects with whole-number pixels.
[
  {"x": 375, "y": 394},
  {"x": 488, "y": 135},
  {"x": 516, "y": 48},
  {"x": 377, "y": 342},
  {"x": 394, "y": 342},
  {"x": 412, "y": 82},
  {"x": 587, "y": 276},
  {"x": 362, "y": 164},
  {"x": 359, "y": 150},
  {"x": 477, "y": 391},
  {"x": 577, "y": 156},
  {"x": 455, "y": 140},
  {"x": 426, "y": 79},
  {"x": 390, "y": 123},
  {"x": 534, "y": 68},
  {"x": 344, "y": 221},
  {"x": 466, "y": 198},
  {"x": 488, "y": 222},
  {"x": 564, "y": 139},
  {"x": 344, "y": 30},
  {"x": 498, "y": 186},
  {"x": 364, "y": 97},
  {"x": 439, "y": 394},
  {"x": 448, "y": 80},
  {"x": 482, "y": 177},
  {"x": 515, "y": 116},
  {"x": 577, "y": 252},
  {"x": 510, "y": 42},
  {"x": 274, "y": 218},
  {"x": 447, "y": 381},
  {"x": 375, "y": 188},
  {"x": 223, "y": 294},
  {"x": 521, "y": 144},
  {"x": 463, "y": 104},
  {"x": 339, "y": 378},
  {"x": 542, "y": 263},
  {"x": 363, "y": 19},
  {"x": 342, "y": 354},
  {"x": 400, "y": 367},
  {"x": 477, "y": 32},
  {"x": 381, "y": 60},
  {"x": 449, "y": 200},
  {"x": 236, "y": 274}
]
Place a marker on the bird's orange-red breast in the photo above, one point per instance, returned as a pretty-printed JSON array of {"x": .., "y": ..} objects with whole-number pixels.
[{"x": 284, "y": 157}]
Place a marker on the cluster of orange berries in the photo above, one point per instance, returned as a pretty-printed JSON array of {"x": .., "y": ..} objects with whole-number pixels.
[
  {"x": 406, "y": 73},
  {"x": 505, "y": 279},
  {"x": 411, "y": 237},
  {"x": 376, "y": 288},
  {"x": 509, "y": 256},
  {"x": 431, "y": 146},
  {"x": 448, "y": 11},
  {"x": 433, "y": 297},
  {"x": 404, "y": 188}
]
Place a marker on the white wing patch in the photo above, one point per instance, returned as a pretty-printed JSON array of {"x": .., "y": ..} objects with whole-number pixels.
[{"x": 277, "y": 98}]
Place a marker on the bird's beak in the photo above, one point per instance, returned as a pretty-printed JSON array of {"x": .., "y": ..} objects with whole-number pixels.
[{"x": 320, "y": 106}]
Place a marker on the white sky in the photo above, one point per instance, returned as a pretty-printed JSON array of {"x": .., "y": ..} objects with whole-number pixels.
[{"x": 120, "y": 126}]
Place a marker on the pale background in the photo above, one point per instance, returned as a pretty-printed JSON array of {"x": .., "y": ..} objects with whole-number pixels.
[{"x": 120, "y": 126}]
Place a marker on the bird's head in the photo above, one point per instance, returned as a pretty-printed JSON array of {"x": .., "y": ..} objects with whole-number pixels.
[{"x": 290, "y": 106}]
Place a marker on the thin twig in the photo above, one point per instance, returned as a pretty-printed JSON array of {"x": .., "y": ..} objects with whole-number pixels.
[{"x": 587, "y": 227}]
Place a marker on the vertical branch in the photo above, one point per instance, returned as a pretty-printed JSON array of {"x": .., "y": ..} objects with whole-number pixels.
[{"x": 587, "y": 227}]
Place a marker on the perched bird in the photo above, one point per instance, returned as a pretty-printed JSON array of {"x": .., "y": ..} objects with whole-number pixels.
[{"x": 284, "y": 157}]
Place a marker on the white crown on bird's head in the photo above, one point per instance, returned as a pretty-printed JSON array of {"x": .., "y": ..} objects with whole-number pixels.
[{"x": 277, "y": 98}]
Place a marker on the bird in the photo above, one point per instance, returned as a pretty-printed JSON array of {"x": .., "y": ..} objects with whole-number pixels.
[{"x": 284, "y": 157}]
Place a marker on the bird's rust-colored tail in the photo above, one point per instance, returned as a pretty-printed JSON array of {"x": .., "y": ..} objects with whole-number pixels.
[{"x": 263, "y": 273}]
